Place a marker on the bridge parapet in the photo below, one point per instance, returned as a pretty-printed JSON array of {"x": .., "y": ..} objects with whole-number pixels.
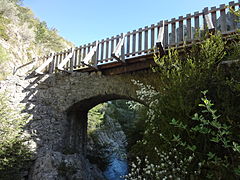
[{"x": 142, "y": 42}]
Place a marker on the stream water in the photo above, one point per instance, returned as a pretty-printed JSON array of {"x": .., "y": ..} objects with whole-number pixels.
[{"x": 116, "y": 168}]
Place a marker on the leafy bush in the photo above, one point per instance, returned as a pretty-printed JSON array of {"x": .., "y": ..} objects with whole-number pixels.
[
  {"x": 176, "y": 121},
  {"x": 14, "y": 154}
]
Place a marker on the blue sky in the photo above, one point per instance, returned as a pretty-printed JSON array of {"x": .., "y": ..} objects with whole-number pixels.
[{"x": 84, "y": 21}]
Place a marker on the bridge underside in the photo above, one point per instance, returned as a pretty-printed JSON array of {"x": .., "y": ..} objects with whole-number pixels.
[{"x": 131, "y": 65}]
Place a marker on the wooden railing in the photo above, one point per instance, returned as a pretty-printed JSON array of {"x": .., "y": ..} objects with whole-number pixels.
[{"x": 141, "y": 42}]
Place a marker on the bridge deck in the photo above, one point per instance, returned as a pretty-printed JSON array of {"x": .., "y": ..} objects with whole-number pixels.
[{"x": 134, "y": 50}]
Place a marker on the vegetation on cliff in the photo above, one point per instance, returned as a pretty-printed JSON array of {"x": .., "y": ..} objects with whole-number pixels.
[{"x": 23, "y": 36}]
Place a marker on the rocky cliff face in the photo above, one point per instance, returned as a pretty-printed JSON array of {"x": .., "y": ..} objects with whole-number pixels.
[{"x": 108, "y": 144}]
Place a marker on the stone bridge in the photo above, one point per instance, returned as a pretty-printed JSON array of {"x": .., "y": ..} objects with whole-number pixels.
[{"x": 59, "y": 103}]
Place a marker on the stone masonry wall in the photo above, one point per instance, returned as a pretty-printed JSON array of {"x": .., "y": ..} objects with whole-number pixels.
[{"x": 58, "y": 106}]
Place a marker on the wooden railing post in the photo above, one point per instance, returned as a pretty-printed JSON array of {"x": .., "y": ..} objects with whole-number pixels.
[
  {"x": 160, "y": 40},
  {"x": 118, "y": 52},
  {"x": 223, "y": 19},
  {"x": 146, "y": 39},
  {"x": 45, "y": 64},
  {"x": 233, "y": 17},
  {"x": 52, "y": 64},
  {"x": 189, "y": 28},
  {"x": 166, "y": 34},
  {"x": 173, "y": 37},
  {"x": 152, "y": 35},
  {"x": 214, "y": 17},
  {"x": 134, "y": 42},
  {"x": 139, "y": 40},
  {"x": 90, "y": 59},
  {"x": 196, "y": 25},
  {"x": 65, "y": 60}
]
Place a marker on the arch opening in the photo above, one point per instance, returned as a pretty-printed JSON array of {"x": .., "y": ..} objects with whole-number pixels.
[{"x": 78, "y": 139}]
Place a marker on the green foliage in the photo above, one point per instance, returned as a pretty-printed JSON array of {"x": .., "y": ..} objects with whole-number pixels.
[
  {"x": 3, "y": 58},
  {"x": 95, "y": 117},
  {"x": 3, "y": 28},
  {"x": 14, "y": 154},
  {"x": 48, "y": 37},
  {"x": 3, "y": 55},
  {"x": 176, "y": 120}
]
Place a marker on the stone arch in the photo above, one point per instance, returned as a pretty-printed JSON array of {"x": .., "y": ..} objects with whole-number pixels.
[{"x": 76, "y": 137}]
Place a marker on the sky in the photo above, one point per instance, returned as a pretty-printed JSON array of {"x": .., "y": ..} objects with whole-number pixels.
[{"x": 84, "y": 21}]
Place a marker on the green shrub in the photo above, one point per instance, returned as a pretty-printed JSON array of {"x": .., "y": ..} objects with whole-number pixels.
[
  {"x": 169, "y": 122},
  {"x": 14, "y": 154}
]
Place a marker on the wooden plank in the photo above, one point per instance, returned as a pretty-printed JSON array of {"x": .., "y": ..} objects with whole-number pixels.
[
  {"x": 134, "y": 42},
  {"x": 88, "y": 59},
  {"x": 65, "y": 60},
  {"x": 88, "y": 47},
  {"x": 118, "y": 53},
  {"x": 64, "y": 56},
  {"x": 95, "y": 56},
  {"x": 44, "y": 65},
  {"x": 209, "y": 22},
  {"x": 161, "y": 33},
  {"x": 107, "y": 48},
  {"x": 84, "y": 51},
  {"x": 233, "y": 17},
  {"x": 60, "y": 58},
  {"x": 173, "y": 35},
  {"x": 51, "y": 69},
  {"x": 117, "y": 39},
  {"x": 189, "y": 27},
  {"x": 223, "y": 18},
  {"x": 112, "y": 44},
  {"x": 80, "y": 56},
  {"x": 68, "y": 63},
  {"x": 166, "y": 34},
  {"x": 214, "y": 16},
  {"x": 205, "y": 12},
  {"x": 128, "y": 43},
  {"x": 160, "y": 42},
  {"x": 139, "y": 40},
  {"x": 196, "y": 25},
  {"x": 146, "y": 38},
  {"x": 102, "y": 49},
  {"x": 152, "y": 36},
  {"x": 56, "y": 61},
  {"x": 72, "y": 59},
  {"x": 76, "y": 58},
  {"x": 180, "y": 30}
]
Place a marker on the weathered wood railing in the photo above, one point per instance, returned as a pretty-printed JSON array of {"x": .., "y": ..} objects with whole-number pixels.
[{"x": 167, "y": 34}]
